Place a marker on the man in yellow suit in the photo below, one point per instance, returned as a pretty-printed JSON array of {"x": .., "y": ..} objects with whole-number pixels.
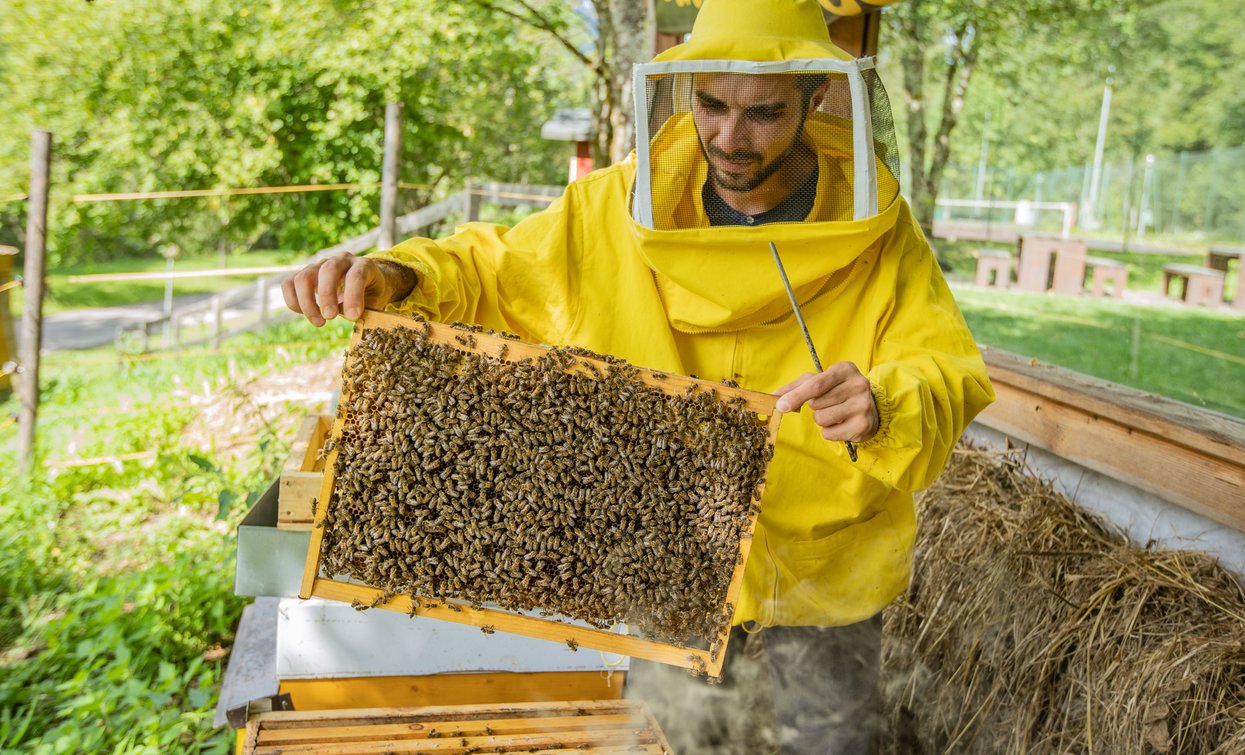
[{"x": 755, "y": 130}]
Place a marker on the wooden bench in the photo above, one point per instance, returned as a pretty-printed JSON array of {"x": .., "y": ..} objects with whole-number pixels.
[
  {"x": 1105, "y": 270},
  {"x": 997, "y": 262},
  {"x": 1199, "y": 286}
]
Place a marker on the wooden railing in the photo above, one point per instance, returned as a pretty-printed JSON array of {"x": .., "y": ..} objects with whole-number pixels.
[{"x": 464, "y": 204}]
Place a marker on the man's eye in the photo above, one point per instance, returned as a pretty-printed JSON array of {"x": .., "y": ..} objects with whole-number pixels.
[
  {"x": 764, "y": 114},
  {"x": 713, "y": 107}
]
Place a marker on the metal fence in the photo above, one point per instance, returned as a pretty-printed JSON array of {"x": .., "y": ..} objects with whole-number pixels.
[{"x": 1190, "y": 198}]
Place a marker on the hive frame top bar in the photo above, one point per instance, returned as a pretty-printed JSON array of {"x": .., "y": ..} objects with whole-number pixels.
[{"x": 313, "y": 585}]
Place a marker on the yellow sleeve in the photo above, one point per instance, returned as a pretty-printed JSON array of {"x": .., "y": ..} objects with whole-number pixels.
[
  {"x": 519, "y": 279},
  {"x": 928, "y": 377}
]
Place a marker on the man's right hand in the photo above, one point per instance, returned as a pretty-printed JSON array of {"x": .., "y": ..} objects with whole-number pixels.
[{"x": 345, "y": 284}]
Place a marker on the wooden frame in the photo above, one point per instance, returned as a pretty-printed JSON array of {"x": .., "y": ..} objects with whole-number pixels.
[
  {"x": 578, "y": 726},
  {"x": 708, "y": 661},
  {"x": 303, "y": 474}
]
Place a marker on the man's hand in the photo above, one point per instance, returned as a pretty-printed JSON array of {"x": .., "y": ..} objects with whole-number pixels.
[
  {"x": 345, "y": 284},
  {"x": 841, "y": 399}
]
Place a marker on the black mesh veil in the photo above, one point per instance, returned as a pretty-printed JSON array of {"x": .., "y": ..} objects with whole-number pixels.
[{"x": 742, "y": 143}]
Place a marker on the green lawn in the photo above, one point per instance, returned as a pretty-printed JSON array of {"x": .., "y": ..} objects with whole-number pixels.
[
  {"x": 63, "y": 295},
  {"x": 1185, "y": 353}
]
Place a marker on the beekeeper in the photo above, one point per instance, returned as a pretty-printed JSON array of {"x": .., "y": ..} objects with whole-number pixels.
[{"x": 756, "y": 130}]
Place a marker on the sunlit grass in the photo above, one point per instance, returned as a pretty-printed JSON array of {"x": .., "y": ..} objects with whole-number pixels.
[{"x": 1185, "y": 353}]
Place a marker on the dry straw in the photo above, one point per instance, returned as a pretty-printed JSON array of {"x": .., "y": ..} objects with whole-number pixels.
[{"x": 1031, "y": 628}]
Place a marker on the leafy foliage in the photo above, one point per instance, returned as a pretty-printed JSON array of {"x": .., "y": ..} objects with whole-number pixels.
[
  {"x": 1038, "y": 75},
  {"x": 167, "y": 94},
  {"x": 116, "y": 578}
]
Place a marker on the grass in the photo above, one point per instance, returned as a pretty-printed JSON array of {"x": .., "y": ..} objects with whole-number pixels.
[
  {"x": 61, "y": 295},
  {"x": 116, "y": 578},
  {"x": 1184, "y": 353}
]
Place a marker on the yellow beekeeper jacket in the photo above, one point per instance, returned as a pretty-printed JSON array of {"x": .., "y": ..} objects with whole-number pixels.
[{"x": 833, "y": 543}]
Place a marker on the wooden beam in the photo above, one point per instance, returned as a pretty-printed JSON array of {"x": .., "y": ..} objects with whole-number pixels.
[
  {"x": 858, "y": 35},
  {"x": 390, "y": 167},
  {"x": 1188, "y": 456}
]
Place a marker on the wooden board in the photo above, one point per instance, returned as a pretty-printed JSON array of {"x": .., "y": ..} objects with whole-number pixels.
[
  {"x": 587, "y": 726},
  {"x": 453, "y": 689},
  {"x": 708, "y": 661},
  {"x": 1185, "y": 455},
  {"x": 303, "y": 474}
]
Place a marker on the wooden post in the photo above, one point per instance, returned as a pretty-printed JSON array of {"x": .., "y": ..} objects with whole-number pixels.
[
  {"x": 218, "y": 315},
  {"x": 261, "y": 292},
  {"x": 169, "y": 255},
  {"x": 389, "y": 177},
  {"x": 32, "y": 318},
  {"x": 471, "y": 202}
]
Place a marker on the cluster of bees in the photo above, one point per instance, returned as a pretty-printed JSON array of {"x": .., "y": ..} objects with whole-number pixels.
[{"x": 551, "y": 484}]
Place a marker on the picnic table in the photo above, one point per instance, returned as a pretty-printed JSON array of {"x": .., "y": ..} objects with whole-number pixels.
[
  {"x": 1054, "y": 264},
  {"x": 1198, "y": 285},
  {"x": 1221, "y": 258}
]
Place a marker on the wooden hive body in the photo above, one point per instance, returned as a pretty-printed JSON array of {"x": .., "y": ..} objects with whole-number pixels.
[{"x": 589, "y": 726}]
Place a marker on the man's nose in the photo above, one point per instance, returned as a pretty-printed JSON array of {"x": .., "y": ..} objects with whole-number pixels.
[{"x": 733, "y": 133}]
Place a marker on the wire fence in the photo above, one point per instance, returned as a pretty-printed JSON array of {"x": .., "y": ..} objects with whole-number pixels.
[{"x": 1191, "y": 198}]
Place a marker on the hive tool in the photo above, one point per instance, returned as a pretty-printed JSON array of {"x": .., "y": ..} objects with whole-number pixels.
[{"x": 799, "y": 316}]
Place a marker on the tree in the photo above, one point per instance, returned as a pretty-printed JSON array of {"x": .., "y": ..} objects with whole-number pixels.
[
  {"x": 195, "y": 94},
  {"x": 941, "y": 44},
  {"x": 608, "y": 40}
]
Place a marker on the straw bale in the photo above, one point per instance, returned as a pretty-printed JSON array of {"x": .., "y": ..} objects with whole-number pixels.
[{"x": 1031, "y": 627}]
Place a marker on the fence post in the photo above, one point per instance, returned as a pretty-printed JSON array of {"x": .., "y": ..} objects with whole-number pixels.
[
  {"x": 471, "y": 202},
  {"x": 169, "y": 253},
  {"x": 218, "y": 315},
  {"x": 32, "y": 318},
  {"x": 389, "y": 177},
  {"x": 261, "y": 292}
]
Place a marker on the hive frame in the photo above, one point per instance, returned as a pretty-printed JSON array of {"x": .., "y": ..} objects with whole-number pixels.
[{"x": 708, "y": 661}]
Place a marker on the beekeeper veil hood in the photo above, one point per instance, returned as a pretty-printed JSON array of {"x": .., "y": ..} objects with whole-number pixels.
[
  {"x": 757, "y": 130},
  {"x": 759, "y": 118}
]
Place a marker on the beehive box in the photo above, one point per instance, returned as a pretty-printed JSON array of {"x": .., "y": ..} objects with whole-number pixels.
[
  {"x": 478, "y": 479},
  {"x": 589, "y": 726},
  {"x": 303, "y": 473}
]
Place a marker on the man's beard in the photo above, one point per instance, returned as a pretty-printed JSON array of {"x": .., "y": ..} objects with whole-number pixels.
[{"x": 744, "y": 183}]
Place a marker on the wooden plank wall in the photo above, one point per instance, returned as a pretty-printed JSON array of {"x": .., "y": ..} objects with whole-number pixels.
[{"x": 1185, "y": 455}]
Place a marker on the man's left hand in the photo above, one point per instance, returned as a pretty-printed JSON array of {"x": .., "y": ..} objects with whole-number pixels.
[{"x": 841, "y": 400}]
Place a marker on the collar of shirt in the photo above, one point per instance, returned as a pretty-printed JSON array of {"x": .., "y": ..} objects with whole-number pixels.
[{"x": 793, "y": 209}]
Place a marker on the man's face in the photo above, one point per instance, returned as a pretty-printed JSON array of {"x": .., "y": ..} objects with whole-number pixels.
[{"x": 747, "y": 124}]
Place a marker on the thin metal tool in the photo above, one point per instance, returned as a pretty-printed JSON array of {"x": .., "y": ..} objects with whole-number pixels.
[{"x": 799, "y": 316}]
